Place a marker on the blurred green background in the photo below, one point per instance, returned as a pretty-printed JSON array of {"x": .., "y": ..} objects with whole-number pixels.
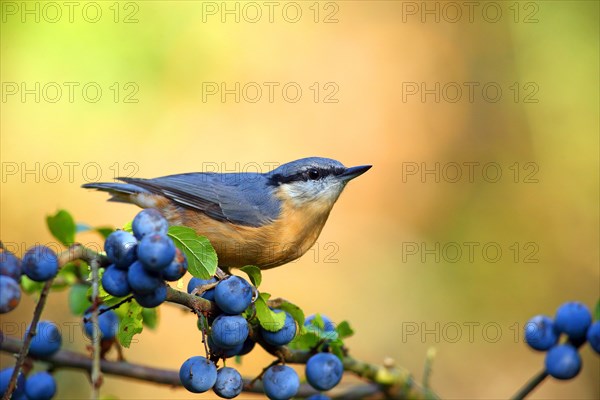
[{"x": 384, "y": 83}]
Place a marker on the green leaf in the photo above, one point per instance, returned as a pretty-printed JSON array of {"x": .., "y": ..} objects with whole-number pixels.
[
  {"x": 336, "y": 348},
  {"x": 344, "y": 330},
  {"x": 322, "y": 334},
  {"x": 62, "y": 226},
  {"x": 68, "y": 275},
  {"x": 314, "y": 338},
  {"x": 305, "y": 340},
  {"x": 201, "y": 256},
  {"x": 318, "y": 322},
  {"x": 108, "y": 300},
  {"x": 78, "y": 299},
  {"x": 127, "y": 227},
  {"x": 111, "y": 300},
  {"x": 597, "y": 311},
  {"x": 104, "y": 231},
  {"x": 29, "y": 286},
  {"x": 150, "y": 317},
  {"x": 131, "y": 324},
  {"x": 253, "y": 273},
  {"x": 266, "y": 317},
  {"x": 295, "y": 311}
]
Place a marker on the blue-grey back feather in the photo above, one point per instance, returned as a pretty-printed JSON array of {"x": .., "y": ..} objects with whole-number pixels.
[{"x": 241, "y": 198}]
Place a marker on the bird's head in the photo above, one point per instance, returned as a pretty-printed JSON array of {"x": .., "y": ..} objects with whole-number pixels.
[{"x": 314, "y": 181}]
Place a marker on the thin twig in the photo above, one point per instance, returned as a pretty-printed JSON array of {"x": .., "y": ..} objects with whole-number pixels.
[
  {"x": 96, "y": 374},
  {"x": 73, "y": 360},
  {"x": 68, "y": 359},
  {"x": 220, "y": 274},
  {"x": 194, "y": 303},
  {"x": 202, "y": 306},
  {"x": 200, "y": 290},
  {"x": 12, "y": 384},
  {"x": 529, "y": 386},
  {"x": 113, "y": 307},
  {"x": 259, "y": 376},
  {"x": 356, "y": 392},
  {"x": 74, "y": 252}
]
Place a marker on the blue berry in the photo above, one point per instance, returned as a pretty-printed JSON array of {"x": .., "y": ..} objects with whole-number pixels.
[
  {"x": 563, "y": 361},
  {"x": 280, "y": 382},
  {"x": 229, "y": 331},
  {"x": 283, "y": 336},
  {"x": 156, "y": 252},
  {"x": 540, "y": 333},
  {"x": 221, "y": 352},
  {"x": 114, "y": 281},
  {"x": 149, "y": 221},
  {"x": 40, "y": 264},
  {"x": 5, "y": 375},
  {"x": 141, "y": 280},
  {"x": 247, "y": 347},
  {"x": 40, "y": 386},
  {"x": 177, "y": 268},
  {"x": 107, "y": 321},
  {"x": 324, "y": 371},
  {"x": 233, "y": 295},
  {"x": 10, "y": 265},
  {"x": 574, "y": 319},
  {"x": 46, "y": 341},
  {"x": 197, "y": 374},
  {"x": 229, "y": 383},
  {"x": 327, "y": 326},
  {"x": 153, "y": 299},
  {"x": 10, "y": 294},
  {"x": 121, "y": 247},
  {"x": 318, "y": 396},
  {"x": 197, "y": 282},
  {"x": 593, "y": 336}
]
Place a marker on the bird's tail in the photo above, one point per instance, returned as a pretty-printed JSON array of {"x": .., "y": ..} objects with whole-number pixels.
[{"x": 120, "y": 192}]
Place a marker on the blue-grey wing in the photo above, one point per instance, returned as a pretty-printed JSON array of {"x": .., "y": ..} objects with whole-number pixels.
[{"x": 243, "y": 199}]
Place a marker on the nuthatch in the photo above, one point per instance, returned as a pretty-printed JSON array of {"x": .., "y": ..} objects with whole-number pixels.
[{"x": 250, "y": 218}]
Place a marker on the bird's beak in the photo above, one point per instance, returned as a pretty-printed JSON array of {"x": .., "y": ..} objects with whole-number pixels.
[{"x": 353, "y": 172}]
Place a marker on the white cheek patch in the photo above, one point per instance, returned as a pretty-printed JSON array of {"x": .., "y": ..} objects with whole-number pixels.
[
  {"x": 303, "y": 193},
  {"x": 297, "y": 193}
]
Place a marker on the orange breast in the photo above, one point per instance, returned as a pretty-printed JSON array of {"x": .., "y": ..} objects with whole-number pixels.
[
  {"x": 284, "y": 240},
  {"x": 280, "y": 242}
]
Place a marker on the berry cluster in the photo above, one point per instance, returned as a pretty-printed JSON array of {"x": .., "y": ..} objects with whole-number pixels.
[
  {"x": 572, "y": 319},
  {"x": 10, "y": 275},
  {"x": 39, "y": 264},
  {"x": 228, "y": 337},
  {"x": 142, "y": 261},
  {"x": 40, "y": 385},
  {"x": 323, "y": 370}
]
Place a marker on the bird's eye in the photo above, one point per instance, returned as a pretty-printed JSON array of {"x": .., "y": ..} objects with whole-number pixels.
[{"x": 313, "y": 174}]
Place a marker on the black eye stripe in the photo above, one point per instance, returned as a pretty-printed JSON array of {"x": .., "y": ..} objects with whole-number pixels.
[{"x": 305, "y": 175}]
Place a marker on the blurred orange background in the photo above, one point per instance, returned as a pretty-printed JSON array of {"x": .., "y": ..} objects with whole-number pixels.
[{"x": 439, "y": 97}]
